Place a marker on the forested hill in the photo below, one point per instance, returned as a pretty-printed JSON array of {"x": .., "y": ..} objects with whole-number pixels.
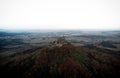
[{"x": 60, "y": 59}]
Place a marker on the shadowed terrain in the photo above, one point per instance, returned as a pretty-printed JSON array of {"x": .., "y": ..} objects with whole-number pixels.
[{"x": 61, "y": 59}]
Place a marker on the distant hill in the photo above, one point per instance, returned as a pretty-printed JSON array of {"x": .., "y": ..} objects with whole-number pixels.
[
  {"x": 107, "y": 44},
  {"x": 60, "y": 59}
]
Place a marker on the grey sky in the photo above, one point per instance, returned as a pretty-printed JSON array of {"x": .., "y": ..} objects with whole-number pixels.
[{"x": 60, "y": 14}]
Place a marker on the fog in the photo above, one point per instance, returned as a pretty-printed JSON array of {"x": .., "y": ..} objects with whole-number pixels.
[{"x": 60, "y": 14}]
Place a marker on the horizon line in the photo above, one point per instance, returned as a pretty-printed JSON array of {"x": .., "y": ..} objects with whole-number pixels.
[{"x": 4, "y": 29}]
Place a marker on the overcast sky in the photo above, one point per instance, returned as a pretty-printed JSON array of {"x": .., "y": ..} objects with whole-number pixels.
[{"x": 59, "y": 14}]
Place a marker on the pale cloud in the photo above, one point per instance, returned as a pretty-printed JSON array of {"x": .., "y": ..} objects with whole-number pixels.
[{"x": 60, "y": 14}]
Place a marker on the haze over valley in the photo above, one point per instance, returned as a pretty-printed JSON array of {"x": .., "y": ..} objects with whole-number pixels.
[
  {"x": 96, "y": 52},
  {"x": 59, "y": 38}
]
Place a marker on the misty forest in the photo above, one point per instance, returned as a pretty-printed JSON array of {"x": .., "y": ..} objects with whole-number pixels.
[
  {"x": 60, "y": 54},
  {"x": 59, "y": 38}
]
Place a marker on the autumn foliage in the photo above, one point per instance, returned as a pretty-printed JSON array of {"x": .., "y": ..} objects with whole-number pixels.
[{"x": 66, "y": 61}]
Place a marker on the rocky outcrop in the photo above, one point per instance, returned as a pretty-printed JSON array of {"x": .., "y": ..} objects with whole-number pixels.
[{"x": 59, "y": 42}]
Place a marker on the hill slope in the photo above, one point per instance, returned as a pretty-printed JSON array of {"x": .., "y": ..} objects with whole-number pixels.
[{"x": 61, "y": 59}]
